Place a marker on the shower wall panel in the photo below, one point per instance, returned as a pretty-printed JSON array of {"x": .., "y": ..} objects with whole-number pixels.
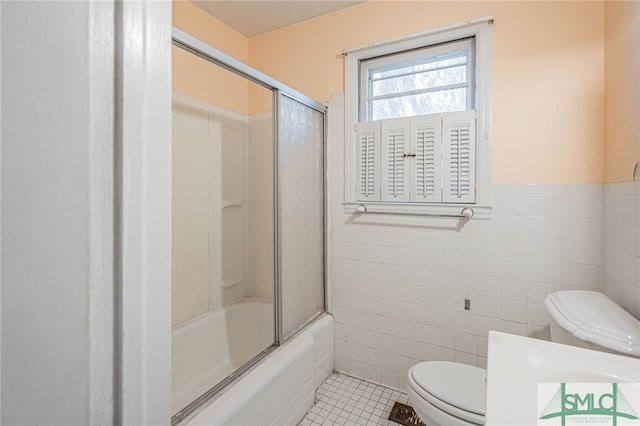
[
  {"x": 229, "y": 243},
  {"x": 301, "y": 205},
  {"x": 211, "y": 232},
  {"x": 190, "y": 208}
]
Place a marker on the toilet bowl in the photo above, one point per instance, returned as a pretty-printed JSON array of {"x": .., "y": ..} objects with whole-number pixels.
[
  {"x": 591, "y": 320},
  {"x": 447, "y": 393}
]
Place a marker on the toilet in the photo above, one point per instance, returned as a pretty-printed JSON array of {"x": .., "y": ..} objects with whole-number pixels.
[
  {"x": 591, "y": 320},
  {"x": 451, "y": 393},
  {"x": 447, "y": 393}
]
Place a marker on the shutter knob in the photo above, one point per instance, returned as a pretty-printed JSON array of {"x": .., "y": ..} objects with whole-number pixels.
[{"x": 412, "y": 155}]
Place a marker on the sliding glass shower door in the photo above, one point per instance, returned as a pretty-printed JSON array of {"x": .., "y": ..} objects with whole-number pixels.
[
  {"x": 301, "y": 213},
  {"x": 248, "y": 219}
]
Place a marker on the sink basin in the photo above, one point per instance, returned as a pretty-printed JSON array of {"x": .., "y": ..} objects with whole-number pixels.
[{"x": 516, "y": 364}]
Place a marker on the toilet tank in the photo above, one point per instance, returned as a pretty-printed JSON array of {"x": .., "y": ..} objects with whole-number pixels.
[{"x": 590, "y": 319}]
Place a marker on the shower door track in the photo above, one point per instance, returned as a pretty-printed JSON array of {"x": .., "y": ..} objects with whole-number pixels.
[{"x": 210, "y": 395}]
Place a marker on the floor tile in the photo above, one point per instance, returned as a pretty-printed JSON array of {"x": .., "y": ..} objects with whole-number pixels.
[{"x": 344, "y": 400}]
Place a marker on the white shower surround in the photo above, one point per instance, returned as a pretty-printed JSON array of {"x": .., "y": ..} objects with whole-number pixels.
[
  {"x": 280, "y": 390},
  {"x": 208, "y": 210}
]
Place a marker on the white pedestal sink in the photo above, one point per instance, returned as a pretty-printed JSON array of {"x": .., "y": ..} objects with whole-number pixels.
[{"x": 515, "y": 366}]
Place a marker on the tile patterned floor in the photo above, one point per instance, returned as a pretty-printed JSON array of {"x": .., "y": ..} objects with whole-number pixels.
[{"x": 344, "y": 400}]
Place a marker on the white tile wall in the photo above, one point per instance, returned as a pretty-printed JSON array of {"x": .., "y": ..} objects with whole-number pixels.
[
  {"x": 398, "y": 291},
  {"x": 622, "y": 245}
]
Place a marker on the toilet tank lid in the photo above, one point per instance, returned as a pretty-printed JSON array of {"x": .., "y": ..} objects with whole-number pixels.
[{"x": 593, "y": 317}]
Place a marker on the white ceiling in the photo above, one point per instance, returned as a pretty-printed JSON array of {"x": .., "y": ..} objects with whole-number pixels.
[{"x": 254, "y": 17}]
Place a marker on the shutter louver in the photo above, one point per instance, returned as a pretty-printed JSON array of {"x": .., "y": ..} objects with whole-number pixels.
[
  {"x": 426, "y": 170},
  {"x": 396, "y": 142},
  {"x": 459, "y": 159},
  {"x": 395, "y": 166},
  {"x": 368, "y": 175}
]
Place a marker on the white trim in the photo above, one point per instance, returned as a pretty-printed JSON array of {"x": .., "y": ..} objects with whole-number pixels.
[
  {"x": 145, "y": 252},
  {"x": 1, "y": 233},
  {"x": 101, "y": 211},
  {"x": 410, "y": 39},
  {"x": 480, "y": 29},
  {"x": 484, "y": 129}
]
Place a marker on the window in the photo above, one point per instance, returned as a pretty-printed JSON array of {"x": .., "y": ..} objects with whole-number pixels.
[
  {"x": 430, "y": 80},
  {"x": 417, "y": 116}
]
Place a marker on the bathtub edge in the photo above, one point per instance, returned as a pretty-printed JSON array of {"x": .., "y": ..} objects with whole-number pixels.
[{"x": 286, "y": 378}]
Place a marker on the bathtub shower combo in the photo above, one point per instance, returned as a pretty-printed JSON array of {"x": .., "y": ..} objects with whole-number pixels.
[{"x": 248, "y": 284}]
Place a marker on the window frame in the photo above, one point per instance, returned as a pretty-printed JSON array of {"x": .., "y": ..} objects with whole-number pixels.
[{"x": 480, "y": 30}]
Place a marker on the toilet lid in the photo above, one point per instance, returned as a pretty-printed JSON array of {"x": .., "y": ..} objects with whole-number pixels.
[
  {"x": 460, "y": 385},
  {"x": 593, "y": 317}
]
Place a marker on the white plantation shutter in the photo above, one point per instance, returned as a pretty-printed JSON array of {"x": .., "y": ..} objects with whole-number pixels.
[
  {"x": 421, "y": 159},
  {"x": 426, "y": 180},
  {"x": 368, "y": 161},
  {"x": 458, "y": 162},
  {"x": 396, "y": 144}
]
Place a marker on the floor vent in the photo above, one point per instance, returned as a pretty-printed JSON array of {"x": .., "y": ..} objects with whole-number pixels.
[{"x": 404, "y": 415}]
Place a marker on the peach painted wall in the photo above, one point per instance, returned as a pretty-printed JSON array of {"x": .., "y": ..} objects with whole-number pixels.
[
  {"x": 622, "y": 89},
  {"x": 199, "y": 79},
  {"x": 548, "y": 74}
]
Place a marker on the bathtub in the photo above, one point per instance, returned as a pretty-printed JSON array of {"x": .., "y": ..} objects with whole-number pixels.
[
  {"x": 278, "y": 391},
  {"x": 223, "y": 336}
]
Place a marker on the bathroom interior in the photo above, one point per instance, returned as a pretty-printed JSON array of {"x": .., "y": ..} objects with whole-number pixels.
[
  {"x": 387, "y": 292},
  {"x": 268, "y": 292}
]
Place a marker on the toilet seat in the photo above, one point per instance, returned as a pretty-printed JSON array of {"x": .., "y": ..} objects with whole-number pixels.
[
  {"x": 592, "y": 317},
  {"x": 455, "y": 388}
]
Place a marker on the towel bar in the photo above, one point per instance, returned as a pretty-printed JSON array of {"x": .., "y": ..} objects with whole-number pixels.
[{"x": 466, "y": 213}]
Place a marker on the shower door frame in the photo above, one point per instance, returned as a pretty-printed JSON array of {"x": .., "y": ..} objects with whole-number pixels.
[{"x": 210, "y": 54}]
